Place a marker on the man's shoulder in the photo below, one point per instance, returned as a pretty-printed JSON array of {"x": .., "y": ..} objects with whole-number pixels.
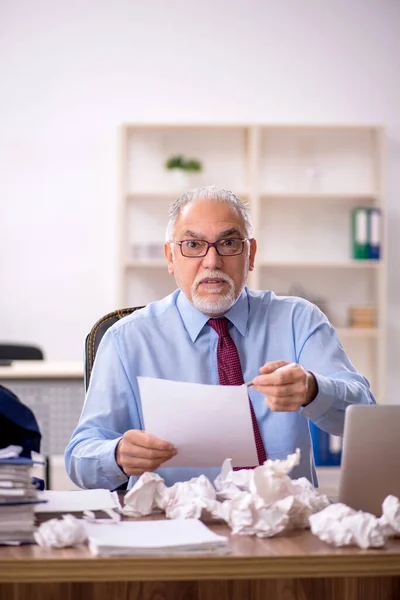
[
  {"x": 160, "y": 311},
  {"x": 269, "y": 298},
  {"x": 292, "y": 301},
  {"x": 277, "y": 308}
]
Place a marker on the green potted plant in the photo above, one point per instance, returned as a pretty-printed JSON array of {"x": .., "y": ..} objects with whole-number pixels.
[{"x": 182, "y": 170}]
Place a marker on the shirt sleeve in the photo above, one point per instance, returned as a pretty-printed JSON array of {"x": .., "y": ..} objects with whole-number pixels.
[
  {"x": 110, "y": 409},
  {"x": 320, "y": 351}
]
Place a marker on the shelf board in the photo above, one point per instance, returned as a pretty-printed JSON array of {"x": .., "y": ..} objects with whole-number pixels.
[
  {"x": 363, "y": 197},
  {"x": 265, "y": 126},
  {"x": 171, "y": 195},
  {"x": 165, "y": 195},
  {"x": 188, "y": 125},
  {"x": 146, "y": 264},
  {"x": 357, "y": 332},
  {"x": 339, "y": 264}
]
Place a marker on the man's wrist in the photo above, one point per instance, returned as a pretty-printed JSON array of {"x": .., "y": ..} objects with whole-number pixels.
[
  {"x": 118, "y": 457},
  {"x": 312, "y": 389}
]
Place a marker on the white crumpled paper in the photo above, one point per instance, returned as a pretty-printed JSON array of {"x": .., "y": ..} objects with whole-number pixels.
[
  {"x": 69, "y": 530},
  {"x": 340, "y": 525},
  {"x": 262, "y": 501},
  {"x": 61, "y": 533},
  {"x": 185, "y": 500}
]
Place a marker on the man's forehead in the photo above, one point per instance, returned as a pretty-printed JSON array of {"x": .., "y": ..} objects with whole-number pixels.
[
  {"x": 209, "y": 214},
  {"x": 209, "y": 228}
]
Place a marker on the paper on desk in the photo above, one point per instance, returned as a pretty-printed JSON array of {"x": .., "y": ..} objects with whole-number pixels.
[
  {"x": 153, "y": 537},
  {"x": 77, "y": 501},
  {"x": 194, "y": 417}
]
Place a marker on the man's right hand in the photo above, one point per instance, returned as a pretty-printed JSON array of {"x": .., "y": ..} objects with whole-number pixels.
[{"x": 139, "y": 451}]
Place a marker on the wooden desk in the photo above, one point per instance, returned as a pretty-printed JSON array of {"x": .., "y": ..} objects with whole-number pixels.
[{"x": 294, "y": 566}]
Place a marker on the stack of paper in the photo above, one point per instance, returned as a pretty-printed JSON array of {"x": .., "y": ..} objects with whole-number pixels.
[
  {"x": 132, "y": 538},
  {"x": 18, "y": 498},
  {"x": 77, "y": 501}
]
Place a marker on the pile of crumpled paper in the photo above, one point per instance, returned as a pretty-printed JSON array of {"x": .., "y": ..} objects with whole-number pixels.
[{"x": 264, "y": 501}]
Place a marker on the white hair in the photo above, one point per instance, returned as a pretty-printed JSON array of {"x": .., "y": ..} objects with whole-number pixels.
[{"x": 211, "y": 192}]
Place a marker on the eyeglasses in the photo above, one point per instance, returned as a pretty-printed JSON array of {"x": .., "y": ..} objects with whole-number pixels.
[{"x": 199, "y": 248}]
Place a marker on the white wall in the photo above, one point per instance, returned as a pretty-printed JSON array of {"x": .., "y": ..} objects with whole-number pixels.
[{"x": 71, "y": 72}]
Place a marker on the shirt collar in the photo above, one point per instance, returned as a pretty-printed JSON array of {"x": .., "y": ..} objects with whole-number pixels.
[{"x": 194, "y": 320}]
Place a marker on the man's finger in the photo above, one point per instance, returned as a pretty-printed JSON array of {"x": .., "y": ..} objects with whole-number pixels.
[
  {"x": 290, "y": 391},
  {"x": 280, "y": 379},
  {"x": 283, "y": 391},
  {"x": 270, "y": 367},
  {"x": 145, "y": 440},
  {"x": 141, "y": 464},
  {"x": 148, "y": 453},
  {"x": 280, "y": 405}
]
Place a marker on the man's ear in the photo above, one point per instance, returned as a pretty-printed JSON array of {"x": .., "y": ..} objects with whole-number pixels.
[
  {"x": 252, "y": 255},
  {"x": 169, "y": 256}
]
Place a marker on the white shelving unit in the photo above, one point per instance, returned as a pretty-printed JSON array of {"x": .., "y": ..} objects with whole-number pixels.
[{"x": 301, "y": 182}]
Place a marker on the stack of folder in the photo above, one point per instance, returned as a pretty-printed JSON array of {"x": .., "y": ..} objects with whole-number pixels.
[
  {"x": 18, "y": 498},
  {"x": 366, "y": 233}
]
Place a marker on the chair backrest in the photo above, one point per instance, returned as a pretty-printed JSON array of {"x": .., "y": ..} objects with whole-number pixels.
[
  {"x": 10, "y": 352},
  {"x": 95, "y": 335}
]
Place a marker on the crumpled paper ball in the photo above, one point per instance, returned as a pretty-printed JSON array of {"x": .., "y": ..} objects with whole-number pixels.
[
  {"x": 390, "y": 519},
  {"x": 144, "y": 496},
  {"x": 340, "y": 525},
  {"x": 191, "y": 499},
  {"x": 61, "y": 533}
]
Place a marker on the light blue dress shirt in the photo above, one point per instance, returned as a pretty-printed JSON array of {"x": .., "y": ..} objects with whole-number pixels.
[{"x": 170, "y": 339}]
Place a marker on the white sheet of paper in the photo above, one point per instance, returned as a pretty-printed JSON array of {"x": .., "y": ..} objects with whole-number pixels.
[
  {"x": 206, "y": 423},
  {"x": 76, "y": 500},
  {"x": 152, "y": 537}
]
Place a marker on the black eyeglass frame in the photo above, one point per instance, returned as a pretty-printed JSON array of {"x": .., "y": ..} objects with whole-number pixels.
[{"x": 214, "y": 245}]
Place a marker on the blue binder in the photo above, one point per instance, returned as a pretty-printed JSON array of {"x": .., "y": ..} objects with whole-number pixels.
[
  {"x": 374, "y": 233},
  {"x": 326, "y": 448}
]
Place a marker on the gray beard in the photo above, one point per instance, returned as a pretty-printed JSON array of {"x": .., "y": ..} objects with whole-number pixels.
[{"x": 221, "y": 304}]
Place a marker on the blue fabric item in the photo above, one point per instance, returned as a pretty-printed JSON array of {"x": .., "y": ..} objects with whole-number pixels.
[
  {"x": 170, "y": 339},
  {"x": 18, "y": 425},
  {"x": 38, "y": 483}
]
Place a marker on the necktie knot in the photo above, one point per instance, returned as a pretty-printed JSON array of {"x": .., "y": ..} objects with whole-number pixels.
[{"x": 221, "y": 326}]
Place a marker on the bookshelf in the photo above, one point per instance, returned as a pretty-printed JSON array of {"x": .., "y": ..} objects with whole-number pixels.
[{"x": 302, "y": 183}]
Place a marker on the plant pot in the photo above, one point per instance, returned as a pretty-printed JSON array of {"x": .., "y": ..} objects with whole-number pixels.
[{"x": 182, "y": 181}]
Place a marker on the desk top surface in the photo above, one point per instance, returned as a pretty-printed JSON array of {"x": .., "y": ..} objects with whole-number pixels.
[
  {"x": 41, "y": 369},
  {"x": 295, "y": 554}
]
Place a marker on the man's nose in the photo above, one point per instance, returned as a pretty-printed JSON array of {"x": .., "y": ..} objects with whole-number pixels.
[{"x": 212, "y": 259}]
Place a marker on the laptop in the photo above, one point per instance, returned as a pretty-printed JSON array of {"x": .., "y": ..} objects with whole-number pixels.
[{"x": 370, "y": 467}]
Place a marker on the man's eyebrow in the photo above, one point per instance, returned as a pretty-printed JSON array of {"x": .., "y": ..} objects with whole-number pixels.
[
  {"x": 193, "y": 235},
  {"x": 223, "y": 234},
  {"x": 229, "y": 232}
]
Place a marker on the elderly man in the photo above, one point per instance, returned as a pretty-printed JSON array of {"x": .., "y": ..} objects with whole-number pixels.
[{"x": 213, "y": 330}]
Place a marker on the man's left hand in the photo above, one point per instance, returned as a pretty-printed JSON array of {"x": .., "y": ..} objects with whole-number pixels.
[{"x": 285, "y": 390}]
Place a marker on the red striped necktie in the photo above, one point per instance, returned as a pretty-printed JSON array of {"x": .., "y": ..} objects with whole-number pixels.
[{"x": 230, "y": 373}]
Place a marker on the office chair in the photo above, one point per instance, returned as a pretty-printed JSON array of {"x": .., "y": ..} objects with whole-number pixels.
[
  {"x": 93, "y": 340},
  {"x": 95, "y": 335},
  {"x": 10, "y": 352}
]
